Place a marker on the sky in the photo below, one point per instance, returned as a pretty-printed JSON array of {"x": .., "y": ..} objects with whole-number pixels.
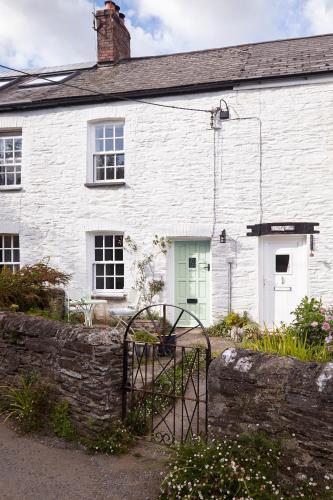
[{"x": 37, "y": 33}]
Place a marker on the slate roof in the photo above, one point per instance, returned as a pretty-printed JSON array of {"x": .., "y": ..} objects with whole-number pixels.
[{"x": 177, "y": 73}]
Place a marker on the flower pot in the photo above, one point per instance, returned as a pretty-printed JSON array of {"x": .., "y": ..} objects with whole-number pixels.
[{"x": 167, "y": 345}]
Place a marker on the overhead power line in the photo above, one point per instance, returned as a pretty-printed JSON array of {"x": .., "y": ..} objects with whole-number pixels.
[{"x": 96, "y": 92}]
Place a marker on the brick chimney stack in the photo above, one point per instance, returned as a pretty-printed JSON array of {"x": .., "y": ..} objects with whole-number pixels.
[{"x": 113, "y": 38}]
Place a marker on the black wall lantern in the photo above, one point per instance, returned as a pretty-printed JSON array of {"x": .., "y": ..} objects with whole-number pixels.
[{"x": 223, "y": 236}]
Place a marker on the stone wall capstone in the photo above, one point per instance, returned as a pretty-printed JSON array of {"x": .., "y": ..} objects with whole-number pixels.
[
  {"x": 84, "y": 365},
  {"x": 285, "y": 397}
]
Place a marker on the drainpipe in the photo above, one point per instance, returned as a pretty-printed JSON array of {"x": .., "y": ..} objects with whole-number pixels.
[{"x": 229, "y": 261}]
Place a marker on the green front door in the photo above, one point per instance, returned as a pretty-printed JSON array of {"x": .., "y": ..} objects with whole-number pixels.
[{"x": 192, "y": 280}]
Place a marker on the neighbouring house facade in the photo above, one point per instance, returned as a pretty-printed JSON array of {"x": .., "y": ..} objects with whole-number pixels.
[{"x": 240, "y": 180}]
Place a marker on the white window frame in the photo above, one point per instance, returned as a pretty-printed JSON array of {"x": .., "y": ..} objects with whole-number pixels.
[
  {"x": 107, "y": 262},
  {"x": 103, "y": 160},
  {"x": 10, "y": 168},
  {"x": 12, "y": 263}
]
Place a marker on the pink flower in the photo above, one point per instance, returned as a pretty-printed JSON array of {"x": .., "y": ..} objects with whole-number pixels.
[
  {"x": 314, "y": 324},
  {"x": 322, "y": 310},
  {"x": 328, "y": 318},
  {"x": 326, "y": 326}
]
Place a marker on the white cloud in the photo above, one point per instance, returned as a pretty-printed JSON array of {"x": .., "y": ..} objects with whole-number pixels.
[
  {"x": 195, "y": 24},
  {"x": 42, "y": 32},
  {"x": 319, "y": 14},
  {"x": 53, "y": 32}
]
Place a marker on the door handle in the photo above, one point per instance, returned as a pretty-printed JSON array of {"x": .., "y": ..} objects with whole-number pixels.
[{"x": 207, "y": 267}]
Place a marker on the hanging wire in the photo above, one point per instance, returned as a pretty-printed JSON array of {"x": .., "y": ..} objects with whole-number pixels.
[{"x": 103, "y": 94}]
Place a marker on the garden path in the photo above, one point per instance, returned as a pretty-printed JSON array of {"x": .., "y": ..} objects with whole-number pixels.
[{"x": 44, "y": 468}]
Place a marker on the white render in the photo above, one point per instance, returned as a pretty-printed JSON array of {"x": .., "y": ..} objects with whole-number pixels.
[{"x": 170, "y": 183}]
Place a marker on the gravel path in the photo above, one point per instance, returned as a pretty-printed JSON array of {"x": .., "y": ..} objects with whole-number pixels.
[{"x": 43, "y": 468}]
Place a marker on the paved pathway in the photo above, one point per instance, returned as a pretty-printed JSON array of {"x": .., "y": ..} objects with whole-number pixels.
[{"x": 40, "y": 468}]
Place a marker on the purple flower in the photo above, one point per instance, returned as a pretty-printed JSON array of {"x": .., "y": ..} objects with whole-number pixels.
[
  {"x": 329, "y": 339},
  {"x": 314, "y": 324},
  {"x": 326, "y": 326}
]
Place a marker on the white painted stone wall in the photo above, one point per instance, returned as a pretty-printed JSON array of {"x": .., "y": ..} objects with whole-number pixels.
[{"x": 170, "y": 183}]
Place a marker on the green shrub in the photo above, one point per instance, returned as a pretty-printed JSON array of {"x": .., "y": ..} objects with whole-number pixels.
[
  {"x": 29, "y": 404},
  {"x": 61, "y": 423},
  {"x": 144, "y": 337},
  {"x": 245, "y": 467},
  {"x": 251, "y": 331},
  {"x": 113, "y": 441},
  {"x": 28, "y": 287},
  {"x": 313, "y": 323},
  {"x": 222, "y": 327},
  {"x": 285, "y": 342}
]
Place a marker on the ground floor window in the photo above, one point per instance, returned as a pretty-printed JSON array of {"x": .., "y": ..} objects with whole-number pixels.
[
  {"x": 108, "y": 265},
  {"x": 9, "y": 251}
]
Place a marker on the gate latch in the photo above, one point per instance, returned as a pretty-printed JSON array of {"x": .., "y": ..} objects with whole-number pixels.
[{"x": 207, "y": 267}]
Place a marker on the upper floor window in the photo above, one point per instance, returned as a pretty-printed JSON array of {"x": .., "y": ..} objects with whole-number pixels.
[
  {"x": 9, "y": 251},
  {"x": 108, "y": 267},
  {"x": 109, "y": 154},
  {"x": 10, "y": 158}
]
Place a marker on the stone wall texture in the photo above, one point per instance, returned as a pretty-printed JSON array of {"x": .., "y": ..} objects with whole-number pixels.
[
  {"x": 287, "y": 398},
  {"x": 83, "y": 365},
  {"x": 171, "y": 177}
]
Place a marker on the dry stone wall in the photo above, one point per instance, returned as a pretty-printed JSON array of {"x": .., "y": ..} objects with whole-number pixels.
[
  {"x": 287, "y": 398},
  {"x": 83, "y": 364}
]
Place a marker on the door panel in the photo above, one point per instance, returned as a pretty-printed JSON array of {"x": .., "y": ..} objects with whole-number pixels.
[
  {"x": 192, "y": 279},
  {"x": 284, "y": 277}
]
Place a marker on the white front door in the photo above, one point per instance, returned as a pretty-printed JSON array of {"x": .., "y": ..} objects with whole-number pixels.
[{"x": 284, "y": 277}]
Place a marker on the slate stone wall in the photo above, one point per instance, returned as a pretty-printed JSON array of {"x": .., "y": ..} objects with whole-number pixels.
[
  {"x": 283, "y": 396},
  {"x": 84, "y": 365}
]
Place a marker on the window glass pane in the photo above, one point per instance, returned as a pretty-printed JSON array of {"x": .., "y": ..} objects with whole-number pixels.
[
  {"x": 16, "y": 256},
  {"x": 98, "y": 255},
  {"x": 99, "y": 160},
  {"x": 282, "y": 263},
  {"x": 192, "y": 262},
  {"x": 118, "y": 255},
  {"x": 100, "y": 283},
  {"x": 18, "y": 144},
  {"x": 100, "y": 174},
  {"x": 109, "y": 269},
  {"x": 99, "y": 270},
  {"x": 119, "y": 131},
  {"x": 98, "y": 241},
  {"x": 8, "y": 256},
  {"x": 99, "y": 145},
  {"x": 120, "y": 173},
  {"x": 10, "y": 179},
  {"x": 109, "y": 241},
  {"x": 120, "y": 269},
  {"x": 99, "y": 132},
  {"x": 120, "y": 160},
  {"x": 108, "y": 254},
  {"x": 110, "y": 283},
  {"x": 18, "y": 178},
  {"x": 8, "y": 241},
  {"x": 110, "y": 160},
  {"x": 110, "y": 173},
  {"x": 119, "y": 283},
  {"x": 109, "y": 131},
  {"x": 119, "y": 240},
  {"x": 16, "y": 241},
  {"x": 109, "y": 145},
  {"x": 119, "y": 145}
]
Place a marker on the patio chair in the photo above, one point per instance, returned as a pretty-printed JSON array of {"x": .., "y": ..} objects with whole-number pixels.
[{"x": 124, "y": 313}]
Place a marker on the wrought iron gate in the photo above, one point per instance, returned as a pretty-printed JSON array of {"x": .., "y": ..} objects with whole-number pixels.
[{"x": 165, "y": 374}]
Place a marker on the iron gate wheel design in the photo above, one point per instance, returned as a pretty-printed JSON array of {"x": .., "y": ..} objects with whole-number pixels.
[{"x": 165, "y": 374}]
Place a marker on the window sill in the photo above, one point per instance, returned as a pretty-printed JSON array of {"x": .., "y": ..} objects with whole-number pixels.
[
  {"x": 104, "y": 184},
  {"x": 11, "y": 188},
  {"x": 108, "y": 296}
]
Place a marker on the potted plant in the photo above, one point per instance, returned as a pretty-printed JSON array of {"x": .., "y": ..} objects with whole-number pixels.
[{"x": 143, "y": 342}]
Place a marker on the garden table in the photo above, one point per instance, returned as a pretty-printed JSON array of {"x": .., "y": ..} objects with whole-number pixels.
[{"x": 87, "y": 306}]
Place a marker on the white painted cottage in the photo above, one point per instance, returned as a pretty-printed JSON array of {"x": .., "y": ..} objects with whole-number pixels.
[{"x": 240, "y": 179}]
